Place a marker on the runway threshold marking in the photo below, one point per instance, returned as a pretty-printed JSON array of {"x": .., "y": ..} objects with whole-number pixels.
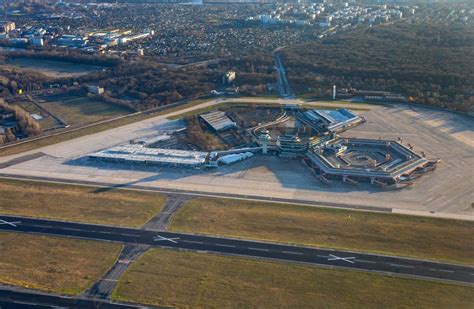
[
  {"x": 161, "y": 238},
  {"x": 13, "y": 223},
  {"x": 333, "y": 257}
]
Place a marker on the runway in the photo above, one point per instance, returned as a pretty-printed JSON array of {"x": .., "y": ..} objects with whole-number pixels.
[
  {"x": 16, "y": 299},
  {"x": 323, "y": 257}
]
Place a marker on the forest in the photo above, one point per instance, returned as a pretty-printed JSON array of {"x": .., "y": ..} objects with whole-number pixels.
[
  {"x": 253, "y": 73},
  {"x": 433, "y": 64},
  {"x": 144, "y": 84}
]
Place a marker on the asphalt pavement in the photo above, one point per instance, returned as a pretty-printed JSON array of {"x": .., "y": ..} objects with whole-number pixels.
[
  {"x": 324, "y": 257},
  {"x": 104, "y": 287},
  {"x": 161, "y": 221},
  {"x": 15, "y": 299}
]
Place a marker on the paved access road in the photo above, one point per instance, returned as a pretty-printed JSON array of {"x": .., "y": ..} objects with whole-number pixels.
[
  {"x": 103, "y": 288},
  {"x": 331, "y": 258}
]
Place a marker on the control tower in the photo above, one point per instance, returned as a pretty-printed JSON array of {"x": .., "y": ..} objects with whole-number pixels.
[{"x": 264, "y": 138}]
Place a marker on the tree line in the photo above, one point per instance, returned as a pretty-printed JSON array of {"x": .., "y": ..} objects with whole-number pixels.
[{"x": 27, "y": 124}]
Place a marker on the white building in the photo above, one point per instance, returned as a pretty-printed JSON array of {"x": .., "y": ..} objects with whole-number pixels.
[
  {"x": 151, "y": 156},
  {"x": 95, "y": 89}
]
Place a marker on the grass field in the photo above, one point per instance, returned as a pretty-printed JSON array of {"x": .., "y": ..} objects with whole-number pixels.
[
  {"x": 53, "y": 264},
  {"x": 49, "y": 68},
  {"x": 430, "y": 238},
  {"x": 47, "y": 122},
  {"x": 78, "y": 110},
  {"x": 75, "y": 203},
  {"x": 201, "y": 280}
]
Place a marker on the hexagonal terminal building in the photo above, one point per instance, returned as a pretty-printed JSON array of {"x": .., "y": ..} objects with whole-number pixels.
[{"x": 381, "y": 162}]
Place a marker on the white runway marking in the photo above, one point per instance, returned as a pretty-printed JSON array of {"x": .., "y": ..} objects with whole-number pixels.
[
  {"x": 292, "y": 252},
  {"x": 161, "y": 238},
  {"x": 446, "y": 271},
  {"x": 337, "y": 258},
  {"x": 193, "y": 242},
  {"x": 130, "y": 235},
  {"x": 67, "y": 228},
  {"x": 258, "y": 249},
  {"x": 363, "y": 261},
  {"x": 229, "y": 246},
  {"x": 397, "y": 265},
  {"x": 14, "y": 224}
]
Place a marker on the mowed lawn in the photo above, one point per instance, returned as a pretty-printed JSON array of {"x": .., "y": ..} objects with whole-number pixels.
[
  {"x": 76, "y": 203},
  {"x": 180, "y": 279},
  {"x": 54, "y": 264},
  {"x": 430, "y": 238}
]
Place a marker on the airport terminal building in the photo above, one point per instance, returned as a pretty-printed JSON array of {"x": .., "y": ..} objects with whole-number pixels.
[
  {"x": 135, "y": 153},
  {"x": 352, "y": 160},
  {"x": 374, "y": 161}
]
